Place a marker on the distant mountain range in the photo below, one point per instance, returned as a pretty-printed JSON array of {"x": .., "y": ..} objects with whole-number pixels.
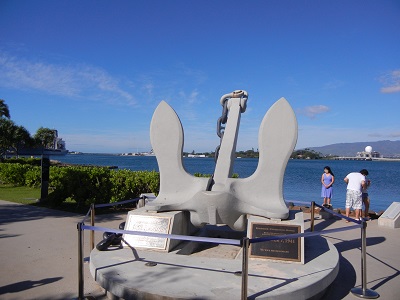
[{"x": 385, "y": 148}]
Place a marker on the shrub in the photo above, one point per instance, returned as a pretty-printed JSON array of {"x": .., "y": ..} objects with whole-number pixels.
[
  {"x": 13, "y": 173},
  {"x": 130, "y": 184},
  {"x": 84, "y": 185},
  {"x": 24, "y": 161},
  {"x": 87, "y": 185},
  {"x": 33, "y": 177}
]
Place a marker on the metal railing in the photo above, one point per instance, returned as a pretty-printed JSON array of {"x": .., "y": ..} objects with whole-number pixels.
[
  {"x": 245, "y": 243},
  {"x": 362, "y": 292}
]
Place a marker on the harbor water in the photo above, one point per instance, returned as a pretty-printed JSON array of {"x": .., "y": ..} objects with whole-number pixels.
[{"x": 301, "y": 181}]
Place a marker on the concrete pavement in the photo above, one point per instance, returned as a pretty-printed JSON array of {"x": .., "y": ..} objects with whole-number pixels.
[{"x": 39, "y": 253}]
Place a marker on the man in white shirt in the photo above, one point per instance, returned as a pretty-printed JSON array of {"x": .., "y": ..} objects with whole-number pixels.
[{"x": 355, "y": 183}]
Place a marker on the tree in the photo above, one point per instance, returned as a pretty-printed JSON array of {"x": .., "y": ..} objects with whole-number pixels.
[
  {"x": 7, "y": 128},
  {"x": 4, "y": 111},
  {"x": 21, "y": 139},
  {"x": 45, "y": 137},
  {"x": 306, "y": 154},
  {"x": 12, "y": 137}
]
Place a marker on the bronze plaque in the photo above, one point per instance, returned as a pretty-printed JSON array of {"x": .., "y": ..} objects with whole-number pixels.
[
  {"x": 147, "y": 224},
  {"x": 288, "y": 249}
]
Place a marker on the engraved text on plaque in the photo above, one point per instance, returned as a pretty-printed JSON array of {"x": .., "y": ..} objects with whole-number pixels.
[{"x": 147, "y": 224}]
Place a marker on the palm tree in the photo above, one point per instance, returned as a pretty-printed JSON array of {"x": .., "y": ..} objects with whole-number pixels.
[{"x": 4, "y": 111}]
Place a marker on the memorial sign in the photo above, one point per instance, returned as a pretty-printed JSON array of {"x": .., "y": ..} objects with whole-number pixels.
[
  {"x": 144, "y": 223},
  {"x": 287, "y": 249}
]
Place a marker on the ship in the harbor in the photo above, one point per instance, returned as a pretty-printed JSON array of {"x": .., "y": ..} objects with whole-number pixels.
[
  {"x": 58, "y": 147},
  {"x": 150, "y": 153}
]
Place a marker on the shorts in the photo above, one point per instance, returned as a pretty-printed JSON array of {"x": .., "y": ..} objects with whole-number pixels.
[
  {"x": 364, "y": 196},
  {"x": 353, "y": 199}
]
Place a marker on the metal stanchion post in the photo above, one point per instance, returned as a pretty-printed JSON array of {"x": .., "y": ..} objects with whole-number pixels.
[
  {"x": 80, "y": 262},
  {"x": 363, "y": 292},
  {"x": 92, "y": 215},
  {"x": 312, "y": 215},
  {"x": 245, "y": 266},
  {"x": 141, "y": 202}
]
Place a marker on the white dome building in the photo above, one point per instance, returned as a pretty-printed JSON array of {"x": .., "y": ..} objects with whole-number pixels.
[{"x": 368, "y": 154}]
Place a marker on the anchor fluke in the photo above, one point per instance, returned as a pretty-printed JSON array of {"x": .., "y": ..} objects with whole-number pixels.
[
  {"x": 176, "y": 185},
  {"x": 277, "y": 137}
]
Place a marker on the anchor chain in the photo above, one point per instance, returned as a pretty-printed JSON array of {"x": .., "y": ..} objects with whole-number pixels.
[
  {"x": 220, "y": 128},
  {"x": 224, "y": 116},
  {"x": 222, "y": 121}
]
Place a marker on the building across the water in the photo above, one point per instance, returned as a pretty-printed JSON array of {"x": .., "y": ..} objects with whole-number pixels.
[{"x": 367, "y": 154}]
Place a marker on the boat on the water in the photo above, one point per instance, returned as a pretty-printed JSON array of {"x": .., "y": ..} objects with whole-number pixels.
[{"x": 57, "y": 148}]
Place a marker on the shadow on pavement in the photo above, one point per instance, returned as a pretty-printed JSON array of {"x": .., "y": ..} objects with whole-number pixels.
[
  {"x": 345, "y": 245},
  {"x": 385, "y": 279},
  {"x": 10, "y": 213},
  {"x": 13, "y": 212},
  {"x": 344, "y": 282},
  {"x": 26, "y": 285}
]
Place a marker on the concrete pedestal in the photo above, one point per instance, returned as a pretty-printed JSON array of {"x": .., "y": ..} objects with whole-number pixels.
[
  {"x": 130, "y": 273},
  {"x": 172, "y": 222}
]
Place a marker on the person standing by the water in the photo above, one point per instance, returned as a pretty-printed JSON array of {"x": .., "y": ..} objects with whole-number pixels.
[
  {"x": 365, "y": 197},
  {"x": 327, "y": 180},
  {"x": 355, "y": 183}
]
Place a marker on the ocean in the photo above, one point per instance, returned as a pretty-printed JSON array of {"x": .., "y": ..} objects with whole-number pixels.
[{"x": 301, "y": 180}]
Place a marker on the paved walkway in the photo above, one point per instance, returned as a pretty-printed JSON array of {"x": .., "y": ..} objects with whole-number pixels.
[{"x": 39, "y": 253}]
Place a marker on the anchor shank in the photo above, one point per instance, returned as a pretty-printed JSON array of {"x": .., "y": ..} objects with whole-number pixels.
[{"x": 227, "y": 152}]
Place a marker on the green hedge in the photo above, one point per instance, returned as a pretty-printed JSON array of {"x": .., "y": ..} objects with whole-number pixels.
[
  {"x": 85, "y": 185},
  {"x": 25, "y": 161},
  {"x": 11, "y": 173}
]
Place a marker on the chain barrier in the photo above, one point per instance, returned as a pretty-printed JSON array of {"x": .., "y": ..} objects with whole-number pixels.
[{"x": 244, "y": 243}]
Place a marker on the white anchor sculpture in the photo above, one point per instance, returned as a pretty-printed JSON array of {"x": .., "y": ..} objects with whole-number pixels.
[{"x": 221, "y": 199}]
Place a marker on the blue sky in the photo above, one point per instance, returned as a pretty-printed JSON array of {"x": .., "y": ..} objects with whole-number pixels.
[{"x": 96, "y": 70}]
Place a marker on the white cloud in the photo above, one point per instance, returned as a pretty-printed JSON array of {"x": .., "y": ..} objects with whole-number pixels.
[
  {"x": 385, "y": 135},
  {"x": 395, "y": 134},
  {"x": 188, "y": 107},
  {"x": 391, "y": 82},
  {"x": 148, "y": 88},
  {"x": 315, "y": 136},
  {"x": 313, "y": 111},
  {"x": 77, "y": 81},
  {"x": 334, "y": 84}
]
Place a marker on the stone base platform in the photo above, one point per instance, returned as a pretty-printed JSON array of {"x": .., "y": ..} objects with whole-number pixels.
[{"x": 128, "y": 273}]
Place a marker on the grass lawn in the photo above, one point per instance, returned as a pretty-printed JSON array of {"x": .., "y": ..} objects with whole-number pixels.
[
  {"x": 27, "y": 195},
  {"x": 19, "y": 194}
]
